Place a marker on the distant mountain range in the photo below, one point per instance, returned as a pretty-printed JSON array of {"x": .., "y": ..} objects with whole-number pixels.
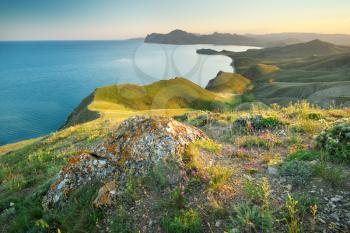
[{"x": 180, "y": 37}]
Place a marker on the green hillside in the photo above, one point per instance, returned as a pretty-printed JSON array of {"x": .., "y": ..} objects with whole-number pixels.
[
  {"x": 316, "y": 71},
  {"x": 124, "y": 100},
  {"x": 247, "y": 161},
  {"x": 259, "y": 70},
  {"x": 226, "y": 82},
  {"x": 302, "y": 50}
]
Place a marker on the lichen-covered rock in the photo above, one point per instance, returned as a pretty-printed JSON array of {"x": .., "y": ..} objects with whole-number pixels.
[
  {"x": 80, "y": 170},
  {"x": 137, "y": 145},
  {"x": 106, "y": 193},
  {"x": 141, "y": 141}
]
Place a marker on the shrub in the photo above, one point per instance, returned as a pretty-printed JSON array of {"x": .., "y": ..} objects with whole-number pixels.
[
  {"x": 186, "y": 222},
  {"x": 304, "y": 155},
  {"x": 257, "y": 123},
  {"x": 131, "y": 189},
  {"x": 306, "y": 126},
  {"x": 208, "y": 145},
  {"x": 156, "y": 178},
  {"x": 294, "y": 139},
  {"x": 297, "y": 172},
  {"x": 218, "y": 177},
  {"x": 258, "y": 192},
  {"x": 254, "y": 141},
  {"x": 304, "y": 201},
  {"x": 176, "y": 199},
  {"x": 336, "y": 142},
  {"x": 314, "y": 116},
  {"x": 260, "y": 122},
  {"x": 293, "y": 221},
  {"x": 334, "y": 176},
  {"x": 121, "y": 222},
  {"x": 250, "y": 219},
  {"x": 271, "y": 158},
  {"x": 200, "y": 121}
]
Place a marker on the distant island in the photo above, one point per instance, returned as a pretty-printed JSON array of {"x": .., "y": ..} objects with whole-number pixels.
[{"x": 180, "y": 37}]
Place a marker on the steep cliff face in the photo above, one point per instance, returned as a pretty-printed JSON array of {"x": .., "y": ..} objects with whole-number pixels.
[{"x": 82, "y": 114}]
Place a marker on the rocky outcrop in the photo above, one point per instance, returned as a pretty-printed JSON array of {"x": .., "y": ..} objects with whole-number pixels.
[
  {"x": 80, "y": 170},
  {"x": 137, "y": 145}
]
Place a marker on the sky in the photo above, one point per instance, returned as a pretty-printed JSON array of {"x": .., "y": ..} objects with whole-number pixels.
[{"x": 121, "y": 19}]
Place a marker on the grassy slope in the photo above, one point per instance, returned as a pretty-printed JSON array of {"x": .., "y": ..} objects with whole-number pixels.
[
  {"x": 316, "y": 71},
  {"x": 174, "y": 95},
  {"x": 226, "y": 82},
  {"x": 26, "y": 173}
]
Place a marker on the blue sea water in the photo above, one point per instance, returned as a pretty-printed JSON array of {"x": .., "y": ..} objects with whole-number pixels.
[{"x": 42, "y": 82}]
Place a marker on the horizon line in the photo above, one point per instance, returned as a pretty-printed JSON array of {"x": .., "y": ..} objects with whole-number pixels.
[
  {"x": 143, "y": 37},
  {"x": 67, "y": 40}
]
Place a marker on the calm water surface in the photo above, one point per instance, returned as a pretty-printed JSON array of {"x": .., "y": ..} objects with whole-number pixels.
[{"x": 42, "y": 82}]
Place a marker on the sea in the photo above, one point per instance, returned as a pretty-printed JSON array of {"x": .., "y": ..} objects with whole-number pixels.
[{"x": 41, "y": 82}]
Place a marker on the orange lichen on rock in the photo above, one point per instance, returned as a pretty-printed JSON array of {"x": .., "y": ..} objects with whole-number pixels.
[{"x": 105, "y": 194}]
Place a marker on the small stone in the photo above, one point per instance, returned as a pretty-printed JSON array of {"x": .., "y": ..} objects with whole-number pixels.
[
  {"x": 289, "y": 187},
  {"x": 218, "y": 223},
  {"x": 335, "y": 216},
  {"x": 272, "y": 170},
  {"x": 234, "y": 230},
  {"x": 12, "y": 204},
  {"x": 336, "y": 198},
  {"x": 313, "y": 162}
]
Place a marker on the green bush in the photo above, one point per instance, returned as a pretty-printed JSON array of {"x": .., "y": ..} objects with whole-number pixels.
[
  {"x": 336, "y": 142},
  {"x": 257, "y": 123},
  {"x": 200, "y": 121},
  {"x": 332, "y": 175},
  {"x": 186, "y": 222},
  {"x": 254, "y": 141},
  {"x": 122, "y": 222},
  {"x": 248, "y": 218},
  {"x": 297, "y": 172},
  {"x": 304, "y": 201},
  {"x": 314, "y": 116},
  {"x": 304, "y": 155},
  {"x": 253, "y": 191}
]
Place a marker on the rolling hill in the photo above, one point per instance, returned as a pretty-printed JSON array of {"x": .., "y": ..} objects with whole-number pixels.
[
  {"x": 226, "y": 82},
  {"x": 317, "y": 71},
  {"x": 180, "y": 37},
  {"x": 314, "y": 48},
  {"x": 166, "y": 96}
]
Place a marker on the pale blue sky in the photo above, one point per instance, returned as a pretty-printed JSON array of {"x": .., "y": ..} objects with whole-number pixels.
[{"x": 119, "y": 19}]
